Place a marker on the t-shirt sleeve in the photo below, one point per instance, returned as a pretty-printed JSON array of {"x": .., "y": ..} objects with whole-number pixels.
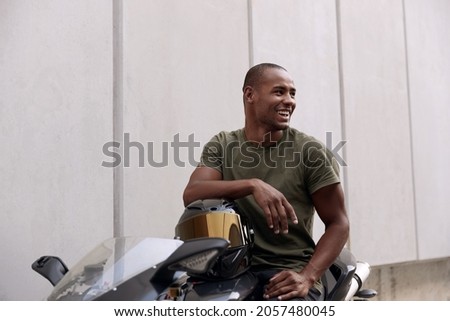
[
  {"x": 212, "y": 154},
  {"x": 321, "y": 167}
]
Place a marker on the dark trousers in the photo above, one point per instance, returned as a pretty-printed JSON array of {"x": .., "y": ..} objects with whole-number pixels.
[{"x": 264, "y": 276}]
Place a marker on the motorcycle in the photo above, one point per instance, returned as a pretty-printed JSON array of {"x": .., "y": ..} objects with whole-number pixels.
[{"x": 208, "y": 260}]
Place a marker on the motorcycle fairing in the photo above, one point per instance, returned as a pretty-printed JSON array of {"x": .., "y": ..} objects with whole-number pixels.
[{"x": 110, "y": 264}]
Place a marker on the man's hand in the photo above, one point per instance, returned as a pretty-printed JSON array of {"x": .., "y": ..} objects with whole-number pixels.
[
  {"x": 287, "y": 285},
  {"x": 207, "y": 182},
  {"x": 275, "y": 206}
]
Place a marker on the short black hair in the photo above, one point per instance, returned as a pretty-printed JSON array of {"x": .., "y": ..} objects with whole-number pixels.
[{"x": 255, "y": 73}]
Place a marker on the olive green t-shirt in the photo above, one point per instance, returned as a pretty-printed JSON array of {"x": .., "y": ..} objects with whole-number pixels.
[{"x": 297, "y": 165}]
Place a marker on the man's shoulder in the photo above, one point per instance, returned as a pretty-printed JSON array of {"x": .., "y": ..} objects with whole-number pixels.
[{"x": 226, "y": 136}]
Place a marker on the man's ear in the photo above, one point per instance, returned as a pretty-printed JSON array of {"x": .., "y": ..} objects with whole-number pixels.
[{"x": 249, "y": 94}]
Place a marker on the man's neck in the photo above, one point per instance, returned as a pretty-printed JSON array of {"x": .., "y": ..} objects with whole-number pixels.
[{"x": 263, "y": 137}]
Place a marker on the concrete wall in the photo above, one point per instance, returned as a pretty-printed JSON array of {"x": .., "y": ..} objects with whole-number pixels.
[
  {"x": 182, "y": 82},
  {"x": 55, "y": 106},
  {"x": 428, "y": 49},
  {"x": 376, "y": 114},
  {"x": 426, "y": 280},
  {"x": 153, "y": 75}
]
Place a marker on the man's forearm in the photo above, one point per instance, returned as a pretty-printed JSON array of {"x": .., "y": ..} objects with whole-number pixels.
[
  {"x": 204, "y": 189},
  {"x": 327, "y": 250}
]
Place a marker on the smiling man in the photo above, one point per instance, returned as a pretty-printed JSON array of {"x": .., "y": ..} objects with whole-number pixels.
[{"x": 278, "y": 177}]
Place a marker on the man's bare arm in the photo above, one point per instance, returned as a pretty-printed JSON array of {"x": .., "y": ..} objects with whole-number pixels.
[
  {"x": 206, "y": 182},
  {"x": 329, "y": 204}
]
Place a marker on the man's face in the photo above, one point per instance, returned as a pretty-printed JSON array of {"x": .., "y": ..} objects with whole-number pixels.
[{"x": 273, "y": 100}]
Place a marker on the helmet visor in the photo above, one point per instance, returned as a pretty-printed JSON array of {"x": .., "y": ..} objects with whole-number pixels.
[{"x": 213, "y": 224}]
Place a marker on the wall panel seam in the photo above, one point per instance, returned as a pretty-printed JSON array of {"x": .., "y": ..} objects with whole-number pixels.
[
  {"x": 117, "y": 52},
  {"x": 342, "y": 100},
  {"x": 408, "y": 97},
  {"x": 250, "y": 33}
]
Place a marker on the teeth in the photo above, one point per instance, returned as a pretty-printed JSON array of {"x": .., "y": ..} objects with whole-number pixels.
[{"x": 284, "y": 113}]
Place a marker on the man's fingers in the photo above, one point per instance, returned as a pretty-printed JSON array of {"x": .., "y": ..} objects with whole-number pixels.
[
  {"x": 276, "y": 208},
  {"x": 268, "y": 215},
  {"x": 282, "y": 218},
  {"x": 278, "y": 216},
  {"x": 275, "y": 219},
  {"x": 290, "y": 212},
  {"x": 281, "y": 286},
  {"x": 285, "y": 285}
]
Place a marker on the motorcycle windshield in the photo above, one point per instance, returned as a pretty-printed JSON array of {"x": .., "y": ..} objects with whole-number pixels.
[{"x": 110, "y": 264}]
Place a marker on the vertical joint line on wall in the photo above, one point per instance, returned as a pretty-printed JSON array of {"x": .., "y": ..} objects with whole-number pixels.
[
  {"x": 408, "y": 97},
  {"x": 342, "y": 97},
  {"x": 250, "y": 33},
  {"x": 342, "y": 100},
  {"x": 117, "y": 52}
]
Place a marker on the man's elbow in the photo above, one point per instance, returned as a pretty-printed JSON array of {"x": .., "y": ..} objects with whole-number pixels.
[
  {"x": 340, "y": 225},
  {"x": 345, "y": 227},
  {"x": 189, "y": 195},
  {"x": 187, "y": 198}
]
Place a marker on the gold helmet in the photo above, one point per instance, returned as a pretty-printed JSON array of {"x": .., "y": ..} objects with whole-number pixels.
[{"x": 219, "y": 218}]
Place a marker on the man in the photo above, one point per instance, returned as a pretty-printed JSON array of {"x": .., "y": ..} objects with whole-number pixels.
[{"x": 278, "y": 177}]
